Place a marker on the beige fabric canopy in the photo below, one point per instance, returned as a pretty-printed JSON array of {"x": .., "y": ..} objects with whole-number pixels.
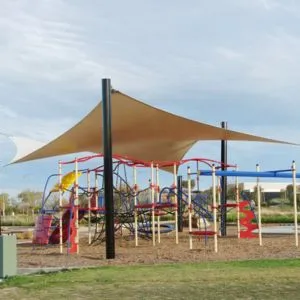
[{"x": 139, "y": 131}]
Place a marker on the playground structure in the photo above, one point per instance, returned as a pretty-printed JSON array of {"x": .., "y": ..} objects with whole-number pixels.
[
  {"x": 149, "y": 142},
  {"x": 146, "y": 212}
]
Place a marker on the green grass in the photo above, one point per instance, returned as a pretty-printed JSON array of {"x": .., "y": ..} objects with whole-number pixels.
[{"x": 263, "y": 279}]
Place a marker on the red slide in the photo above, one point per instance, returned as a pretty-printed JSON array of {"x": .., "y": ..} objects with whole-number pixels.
[
  {"x": 42, "y": 230},
  {"x": 54, "y": 237},
  {"x": 246, "y": 221},
  {"x": 68, "y": 226}
]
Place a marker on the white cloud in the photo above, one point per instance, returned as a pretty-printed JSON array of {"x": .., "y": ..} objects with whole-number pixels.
[
  {"x": 268, "y": 4},
  {"x": 5, "y": 111},
  {"x": 229, "y": 53}
]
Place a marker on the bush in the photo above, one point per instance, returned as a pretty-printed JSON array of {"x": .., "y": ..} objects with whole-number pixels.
[
  {"x": 26, "y": 235},
  {"x": 18, "y": 223}
]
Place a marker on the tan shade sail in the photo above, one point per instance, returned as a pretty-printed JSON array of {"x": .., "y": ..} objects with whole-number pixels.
[{"x": 139, "y": 131}]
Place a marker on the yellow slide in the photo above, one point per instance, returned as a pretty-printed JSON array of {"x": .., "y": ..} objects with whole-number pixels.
[{"x": 66, "y": 182}]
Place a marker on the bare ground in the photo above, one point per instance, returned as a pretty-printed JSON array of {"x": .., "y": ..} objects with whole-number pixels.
[{"x": 230, "y": 248}]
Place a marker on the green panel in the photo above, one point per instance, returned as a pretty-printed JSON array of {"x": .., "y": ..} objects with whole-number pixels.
[{"x": 8, "y": 255}]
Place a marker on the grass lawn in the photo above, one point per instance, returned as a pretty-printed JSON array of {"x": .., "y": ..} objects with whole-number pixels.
[{"x": 263, "y": 279}]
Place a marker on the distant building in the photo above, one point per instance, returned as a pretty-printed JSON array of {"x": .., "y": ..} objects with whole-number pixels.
[
  {"x": 266, "y": 187},
  {"x": 269, "y": 190}
]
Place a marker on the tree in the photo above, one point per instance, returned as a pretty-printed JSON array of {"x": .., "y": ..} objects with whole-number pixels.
[
  {"x": 185, "y": 183},
  {"x": 209, "y": 193},
  {"x": 52, "y": 202},
  {"x": 30, "y": 200},
  {"x": 290, "y": 194},
  {"x": 253, "y": 195},
  {"x": 4, "y": 203},
  {"x": 231, "y": 192},
  {"x": 283, "y": 195},
  {"x": 83, "y": 200}
]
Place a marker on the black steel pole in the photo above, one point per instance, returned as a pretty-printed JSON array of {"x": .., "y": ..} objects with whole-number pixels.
[
  {"x": 108, "y": 169},
  {"x": 224, "y": 184},
  {"x": 179, "y": 203}
]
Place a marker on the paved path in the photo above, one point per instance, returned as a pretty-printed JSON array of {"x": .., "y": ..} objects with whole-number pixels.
[{"x": 284, "y": 229}]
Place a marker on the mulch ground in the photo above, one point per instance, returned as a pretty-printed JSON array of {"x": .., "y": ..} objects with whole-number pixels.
[{"x": 230, "y": 248}]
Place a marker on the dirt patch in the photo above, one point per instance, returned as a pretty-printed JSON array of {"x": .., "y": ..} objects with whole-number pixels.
[{"x": 230, "y": 248}]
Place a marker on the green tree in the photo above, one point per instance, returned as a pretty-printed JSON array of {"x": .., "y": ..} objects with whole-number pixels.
[
  {"x": 283, "y": 195},
  {"x": 231, "y": 192},
  {"x": 185, "y": 183},
  {"x": 4, "y": 203},
  {"x": 52, "y": 202},
  {"x": 253, "y": 196},
  {"x": 290, "y": 194},
  {"x": 83, "y": 200},
  {"x": 30, "y": 200}
]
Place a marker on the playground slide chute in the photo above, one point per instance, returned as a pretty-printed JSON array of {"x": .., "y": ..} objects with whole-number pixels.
[
  {"x": 66, "y": 182},
  {"x": 68, "y": 222},
  {"x": 42, "y": 230}
]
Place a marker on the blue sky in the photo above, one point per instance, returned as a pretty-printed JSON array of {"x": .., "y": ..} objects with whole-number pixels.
[{"x": 234, "y": 60}]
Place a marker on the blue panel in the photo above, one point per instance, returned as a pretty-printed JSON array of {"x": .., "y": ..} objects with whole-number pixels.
[
  {"x": 100, "y": 201},
  {"x": 269, "y": 174}
]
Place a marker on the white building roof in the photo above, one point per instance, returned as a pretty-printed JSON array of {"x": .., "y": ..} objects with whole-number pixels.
[{"x": 267, "y": 187}]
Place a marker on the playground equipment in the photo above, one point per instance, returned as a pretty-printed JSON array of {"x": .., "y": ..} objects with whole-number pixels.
[
  {"x": 133, "y": 216},
  {"x": 156, "y": 208},
  {"x": 246, "y": 221},
  {"x": 285, "y": 173},
  {"x": 214, "y": 207},
  {"x": 149, "y": 211}
]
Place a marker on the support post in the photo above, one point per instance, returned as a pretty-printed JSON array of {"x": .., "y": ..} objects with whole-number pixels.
[
  {"x": 89, "y": 206},
  {"x": 224, "y": 184},
  {"x": 108, "y": 169},
  {"x": 97, "y": 190},
  {"x": 153, "y": 204},
  {"x": 215, "y": 208},
  {"x": 60, "y": 208},
  {"x": 179, "y": 203},
  {"x": 135, "y": 208},
  {"x": 190, "y": 207},
  {"x": 237, "y": 198},
  {"x": 295, "y": 203},
  {"x": 258, "y": 190},
  {"x": 76, "y": 209},
  {"x": 175, "y": 201},
  {"x": 157, "y": 201}
]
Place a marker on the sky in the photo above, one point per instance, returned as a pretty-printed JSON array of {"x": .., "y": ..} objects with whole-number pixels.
[{"x": 210, "y": 61}]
